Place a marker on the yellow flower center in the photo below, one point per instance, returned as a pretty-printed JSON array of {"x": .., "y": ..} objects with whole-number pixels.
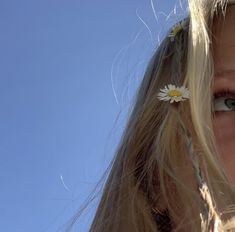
[
  {"x": 176, "y": 29},
  {"x": 174, "y": 93}
]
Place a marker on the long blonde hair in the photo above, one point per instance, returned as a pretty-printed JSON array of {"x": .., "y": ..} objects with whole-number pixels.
[{"x": 152, "y": 173}]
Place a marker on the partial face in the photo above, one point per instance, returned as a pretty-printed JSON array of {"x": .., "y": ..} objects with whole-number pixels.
[{"x": 224, "y": 89}]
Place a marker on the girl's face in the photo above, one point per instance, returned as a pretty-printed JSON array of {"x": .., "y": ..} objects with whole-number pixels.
[{"x": 224, "y": 89}]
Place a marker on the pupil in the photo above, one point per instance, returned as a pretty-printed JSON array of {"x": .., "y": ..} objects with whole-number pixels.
[{"x": 230, "y": 103}]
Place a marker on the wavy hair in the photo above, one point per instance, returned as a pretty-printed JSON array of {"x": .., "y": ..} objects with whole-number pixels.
[{"x": 152, "y": 185}]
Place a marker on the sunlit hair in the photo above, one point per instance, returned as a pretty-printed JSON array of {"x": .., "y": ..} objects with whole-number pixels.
[{"x": 152, "y": 173}]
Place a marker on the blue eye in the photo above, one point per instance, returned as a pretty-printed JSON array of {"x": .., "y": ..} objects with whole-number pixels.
[{"x": 224, "y": 104}]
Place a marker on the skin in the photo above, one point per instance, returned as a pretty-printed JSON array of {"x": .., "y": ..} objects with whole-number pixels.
[{"x": 224, "y": 61}]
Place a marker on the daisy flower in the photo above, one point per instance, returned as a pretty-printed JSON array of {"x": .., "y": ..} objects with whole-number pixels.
[
  {"x": 177, "y": 28},
  {"x": 173, "y": 94}
]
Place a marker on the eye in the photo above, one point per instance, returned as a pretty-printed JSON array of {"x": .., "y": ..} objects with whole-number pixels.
[{"x": 224, "y": 104}]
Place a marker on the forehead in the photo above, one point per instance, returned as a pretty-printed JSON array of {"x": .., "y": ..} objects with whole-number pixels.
[{"x": 224, "y": 41}]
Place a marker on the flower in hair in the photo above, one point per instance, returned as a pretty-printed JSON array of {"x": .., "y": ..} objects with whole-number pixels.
[
  {"x": 182, "y": 25},
  {"x": 173, "y": 94}
]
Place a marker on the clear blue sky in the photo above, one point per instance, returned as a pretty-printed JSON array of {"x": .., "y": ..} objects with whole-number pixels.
[{"x": 67, "y": 71}]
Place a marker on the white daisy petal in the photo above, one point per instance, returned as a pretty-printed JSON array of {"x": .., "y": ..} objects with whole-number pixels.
[
  {"x": 162, "y": 94},
  {"x": 173, "y": 93},
  {"x": 164, "y": 90},
  {"x": 170, "y": 87}
]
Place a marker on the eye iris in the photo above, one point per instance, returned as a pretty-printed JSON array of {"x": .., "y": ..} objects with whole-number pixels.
[{"x": 230, "y": 103}]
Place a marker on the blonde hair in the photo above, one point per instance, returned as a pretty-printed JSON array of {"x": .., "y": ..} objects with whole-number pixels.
[{"x": 152, "y": 173}]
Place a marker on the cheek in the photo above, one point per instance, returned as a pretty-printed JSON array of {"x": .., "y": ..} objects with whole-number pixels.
[{"x": 224, "y": 129}]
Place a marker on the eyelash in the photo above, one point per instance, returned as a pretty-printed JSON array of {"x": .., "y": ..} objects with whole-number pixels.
[{"x": 224, "y": 93}]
